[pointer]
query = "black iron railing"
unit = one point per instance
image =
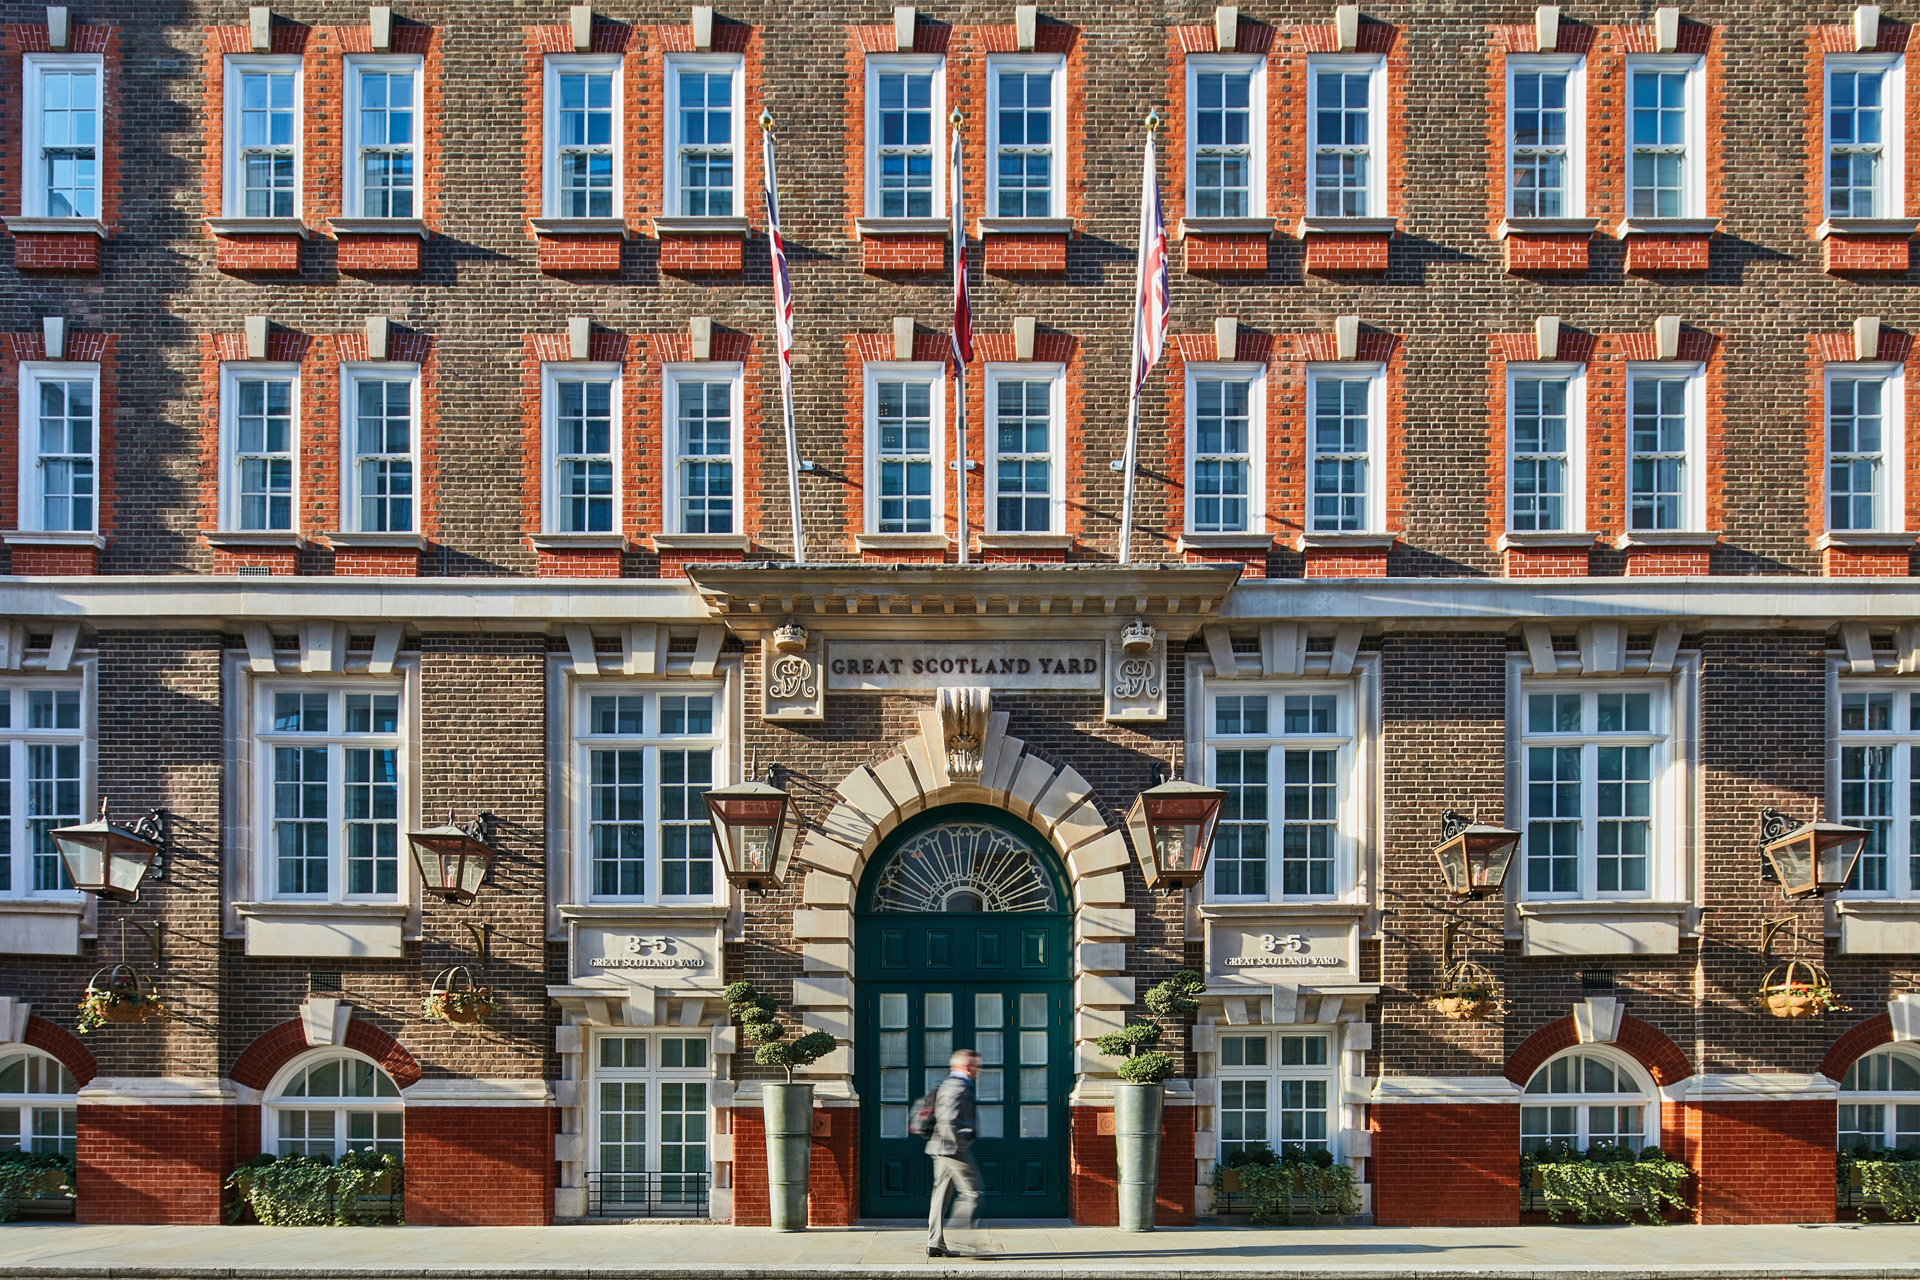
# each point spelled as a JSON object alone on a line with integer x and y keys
{"x": 647, "y": 1195}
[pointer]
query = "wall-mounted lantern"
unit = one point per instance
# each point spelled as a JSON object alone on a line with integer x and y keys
{"x": 111, "y": 861}
{"x": 1172, "y": 826}
{"x": 755, "y": 830}
{"x": 1809, "y": 859}
{"x": 1474, "y": 856}
{"x": 454, "y": 860}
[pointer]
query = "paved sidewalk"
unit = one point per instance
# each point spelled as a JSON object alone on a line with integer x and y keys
{"x": 1042, "y": 1251}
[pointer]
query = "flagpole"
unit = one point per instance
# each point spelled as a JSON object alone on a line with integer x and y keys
{"x": 1128, "y": 466}
{"x": 962, "y": 330}
{"x": 783, "y": 328}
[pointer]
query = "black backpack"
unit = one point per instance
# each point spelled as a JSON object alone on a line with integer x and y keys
{"x": 921, "y": 1124}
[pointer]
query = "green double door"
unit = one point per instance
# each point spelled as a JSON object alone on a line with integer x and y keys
{"x": 997, "y": 984}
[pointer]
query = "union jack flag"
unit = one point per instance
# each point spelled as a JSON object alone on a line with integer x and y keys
{"x": 962, "y": 301}
{"x": 782, "y": 286}
{"x": 1153, "y": 297}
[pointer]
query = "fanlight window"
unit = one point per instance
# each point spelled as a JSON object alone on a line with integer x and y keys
{"x": 37, "y": 1104}
{"x": 1880, "y": 1102}
{"x": 337, "y": 1104}
{"x": 1581, "y": 1099}
{"x": 965, "y": 866}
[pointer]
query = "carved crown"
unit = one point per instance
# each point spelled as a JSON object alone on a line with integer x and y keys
{"x": 791, "y": 638}
{"x": 1137, "y": 636}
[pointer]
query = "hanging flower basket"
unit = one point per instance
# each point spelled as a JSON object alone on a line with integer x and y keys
{"x": 117, "y": 994}
{"x": 454, "y": 998}
{"x": 1467, "y": 994}
{"x": 1798, "y": 990}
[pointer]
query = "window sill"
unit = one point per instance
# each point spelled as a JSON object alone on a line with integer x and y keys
{"x": 1244, "y": 910}
{"x": 1546, "y": 227}
{"x": 1346, "y": 227}
{"x": 33, "y": 538}
{"x": 258, "y": 227}
{"x": 1667, "y": 227}
{"x": 902, "y": 226}
{"x": 1026, "y": 541}
{"x": 1529, "y": 540}
{"x": 45, "y": 927}
{"x": 631, "y": 912}
{"x": 1225, "y": 227}
{"x": 1023, "y": 226}
{"x": 312, "y": 929}
{"x": 1610, "y": 927}
{"x": 901, "y": 541}
{"x": 700, "y": 541}
{"x": 1225, "y": 542}
{"x": 580, "y": 542}
{"x": 1345, "y": 541}
{"x": 413, "y": 540}
{"x": 580, "y": 227}
{"x": 378, "y": 227}
{"x": 665, "y": 226}
{"x": 247, "y": 539}
{"x": 1836, "y": 227}
{"x": 1637, "y": 538}
{"x": 1865, "y": 538}
{"x": 57, "y": 226}
{"x": 1878, "y": 926}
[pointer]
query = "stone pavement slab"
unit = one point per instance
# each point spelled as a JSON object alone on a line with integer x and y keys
{"x": 1030, "y": 1251}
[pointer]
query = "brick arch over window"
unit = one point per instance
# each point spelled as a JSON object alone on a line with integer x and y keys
{"x": 51, "y": 1037}
{"x": 273, "y": 1049}
{"x": 1641, "y": 1041}
{"x": 1855, "y": 1043}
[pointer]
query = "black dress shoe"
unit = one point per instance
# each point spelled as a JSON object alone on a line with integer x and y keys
{"x": 941, "y": 1253}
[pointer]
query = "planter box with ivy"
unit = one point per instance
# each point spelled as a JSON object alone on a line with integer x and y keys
{"x": 312, "y": 1191}
{"x": 1276, "y": 1187}
{"x": 1604, "y": 1183}
{"x": 35, "y": 1183}
{"x": 1874, "y": 1178}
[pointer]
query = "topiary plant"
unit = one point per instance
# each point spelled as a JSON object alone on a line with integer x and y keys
{"x": 1134, "y": 1044}
{"x": 760, "y": 1023}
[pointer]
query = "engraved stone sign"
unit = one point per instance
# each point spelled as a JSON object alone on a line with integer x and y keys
{"x": 890, "y": 665}
{"x": 1265, "y": 950}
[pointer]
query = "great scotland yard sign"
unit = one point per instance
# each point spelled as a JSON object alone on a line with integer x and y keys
{"x": 932, "y": 664}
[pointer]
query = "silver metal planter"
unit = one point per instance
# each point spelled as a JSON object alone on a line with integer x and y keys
{"x": 788, "y": 1109}
{"x": 1136, "y": 1139}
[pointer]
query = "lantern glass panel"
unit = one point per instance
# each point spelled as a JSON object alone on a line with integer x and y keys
{"x": 128, "y": 864}
{"x": 85, "y": 859}
{"x": 1792, "y": 860}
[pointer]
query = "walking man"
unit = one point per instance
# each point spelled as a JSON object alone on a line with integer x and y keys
{"x": 953, "y": 1166}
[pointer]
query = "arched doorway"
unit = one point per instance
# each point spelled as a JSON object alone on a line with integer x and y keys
{"x": 962, "y": 941}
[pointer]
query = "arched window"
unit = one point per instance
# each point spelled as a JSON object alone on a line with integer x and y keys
{"x": 37, "y": 1103}
{"x": 966, "y": 867}
{"x": 1581, "y": 1098}
{"x": 329, "y": 1104}
{"x": 1880, "y": 1101}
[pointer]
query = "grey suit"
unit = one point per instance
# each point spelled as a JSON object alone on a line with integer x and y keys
{"x": 953, "y": 1166}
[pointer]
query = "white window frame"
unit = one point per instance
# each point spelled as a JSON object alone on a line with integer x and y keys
{"x": 1376, "y": 454}
{"x": 1888, "y": 1099}
{"x": 1377, "y": 157}
{"x": 353, "y": 519}
{"x": 1255, "y": 65}
{"x": 1057, "y": 144}
{"x": 581, "y": 745}
{"x": 359, "y": 65}
{"x": 272, "y": 1104}
{"x": 1574, "y": 66}
{"x": 34, "y": 188}
{"x": 1891, "y": 197}
{"x": 1664, "y": 843}
{"x": 1056, "y": 376}
{"x": 15, "y": 741}
{"x": 1904, "y": 769}
{"x": 552, "y": 374}
{"x": 1275, "y": 1075}
{"x": 234, "y": 166}
{"x": 336, "y": 741}
{"x": 1255, "y": 375}
{"x": 32, "y": 512}
{"x": 1646, "y": 1095}
{"x": 879, "y": 64}
{"x": 232, "y": 374}
{"x": 1694, "y": 166}
{"x": 1351, "y": 839}
{"x": 672, "y": 375}
{"x": 1693, "y": 516}
{"x": 653, "y": 1075}
{"x": 879, "y": 371}
{"x": 1892, "y": 516}
{"x": 1576, "y": 494}
{"x": 575, "y": 63}
{"x": 708, "y": 62}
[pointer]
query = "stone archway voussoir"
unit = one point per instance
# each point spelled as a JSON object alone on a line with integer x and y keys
{"x": 1028, "y": 785}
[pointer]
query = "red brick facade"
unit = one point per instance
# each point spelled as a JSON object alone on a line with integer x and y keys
{"x": 472, "y": 1165}
{"x": 1446, "y": 1165}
